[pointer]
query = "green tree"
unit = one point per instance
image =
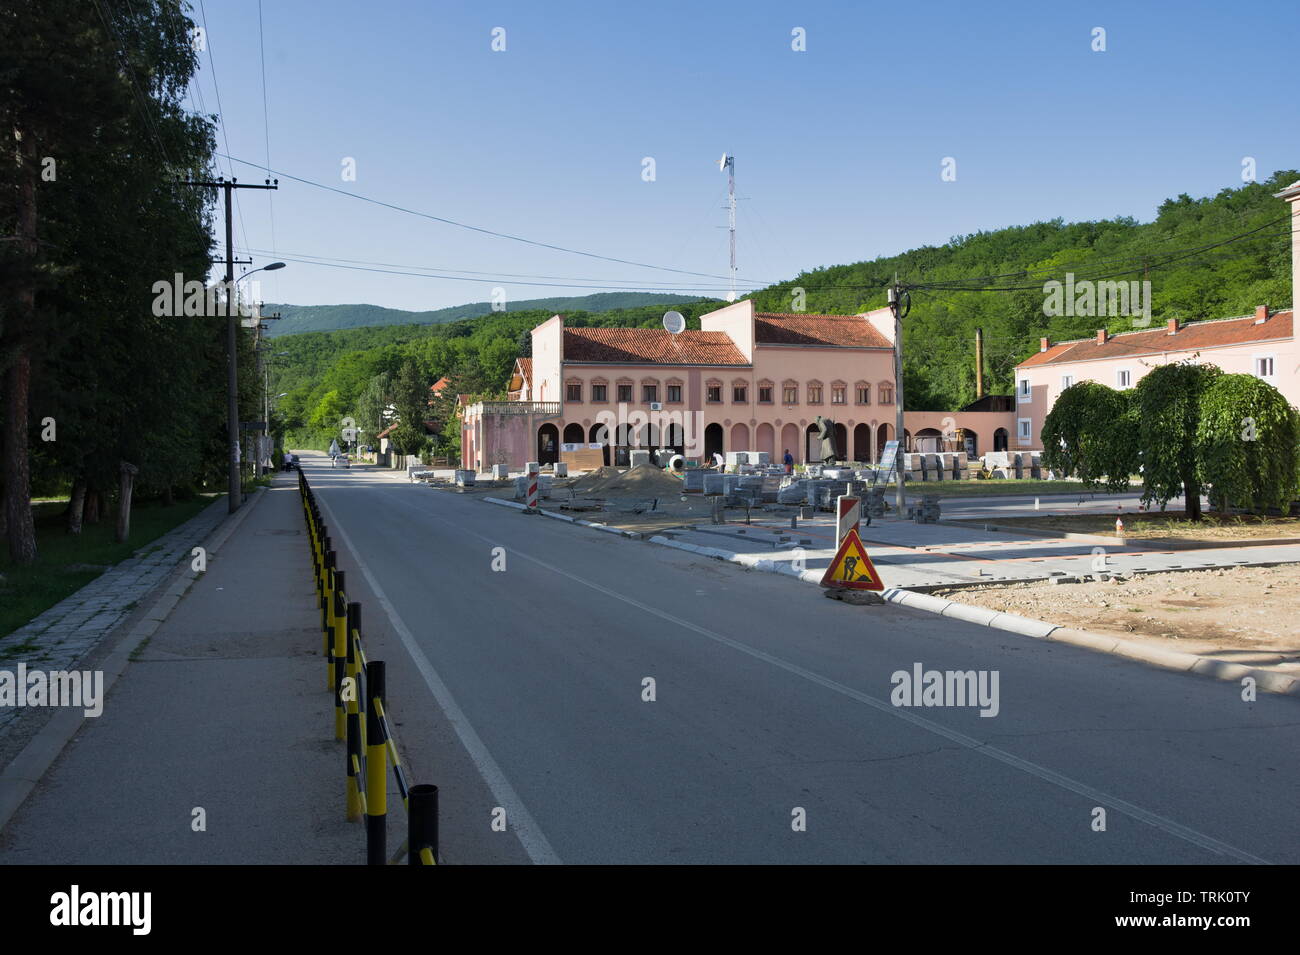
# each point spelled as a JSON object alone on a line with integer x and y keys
{"x": 1090, "y": 433}
{"x": 94, "y": 105}
{"x": 372, "y": 404}
{"x": 1248, "y": 444}
{"x": 328, "y": 413}
{"x": 1167, "y": 406}
{"x": 410, "y": 395}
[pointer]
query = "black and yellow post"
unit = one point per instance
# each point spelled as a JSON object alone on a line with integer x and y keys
{"x": 354, "y": 752}
{"x": 422, "y": 826}
{"x": 340, "y": 655}
{"x": 376, "y": 764}
{"x": 328, "y": 619}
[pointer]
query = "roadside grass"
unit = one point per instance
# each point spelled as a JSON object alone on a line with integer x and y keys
{"x": 65, "y": 564}
{"x": 1172, "y": 524}
{"x": 994, "y": 486}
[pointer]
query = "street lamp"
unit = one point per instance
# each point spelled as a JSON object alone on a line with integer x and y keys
{"x": 232, "y": 383}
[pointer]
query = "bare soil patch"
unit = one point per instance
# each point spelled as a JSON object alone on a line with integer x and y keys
{"x": 1175, "y": 525}
{"x": 1248, "y": 615}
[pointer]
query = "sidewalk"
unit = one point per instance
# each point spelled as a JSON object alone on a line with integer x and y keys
{"x": 223, "y": 708}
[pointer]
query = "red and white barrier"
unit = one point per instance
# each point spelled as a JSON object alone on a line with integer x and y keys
{"x": 532, "y": 487}
{"x": 848, "y": 514}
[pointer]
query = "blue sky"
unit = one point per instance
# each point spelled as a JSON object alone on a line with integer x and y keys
{"x": 838, "y": 147}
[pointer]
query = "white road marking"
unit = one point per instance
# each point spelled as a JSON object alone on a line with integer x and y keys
{"x": 521, "y": 821}
{"x": 992, "y": 752}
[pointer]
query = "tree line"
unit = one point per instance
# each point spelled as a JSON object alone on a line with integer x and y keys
{"x": 95, "y": 384}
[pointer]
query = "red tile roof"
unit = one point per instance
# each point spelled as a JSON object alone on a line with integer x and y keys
{"x": 1195, "y": 336}
{"x": 844, "y": 331}
{"x": 650, "y": 345}
{"x": 440, "y": 384}
{"x": 526, "y": 366}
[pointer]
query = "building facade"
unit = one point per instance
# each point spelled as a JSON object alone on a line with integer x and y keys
{"x": 745, "y": 381}
{"x": 1262, "y": 344}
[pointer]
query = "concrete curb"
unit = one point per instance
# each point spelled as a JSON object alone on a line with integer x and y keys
{"x": 630, "y": 535}
{"x": 20, "y": 777}
{"x": 1177, "y": 660}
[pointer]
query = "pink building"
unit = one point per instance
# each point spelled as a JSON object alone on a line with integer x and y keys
{"x": 746, "y": 381}
{"x": 1262, "y": 344}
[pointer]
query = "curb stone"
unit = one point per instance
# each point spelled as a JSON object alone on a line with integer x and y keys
{"x": 1177, "y": 660}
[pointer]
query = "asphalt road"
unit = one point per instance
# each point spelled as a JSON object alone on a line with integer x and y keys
{"x": 522, "y": 690}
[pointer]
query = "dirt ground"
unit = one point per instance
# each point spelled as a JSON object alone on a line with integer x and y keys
{"x": 1166, "y": 524}
{"x": 1248, "y": 615}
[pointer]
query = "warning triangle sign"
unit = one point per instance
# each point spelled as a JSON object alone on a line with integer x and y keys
{"x": 852, "y": 568}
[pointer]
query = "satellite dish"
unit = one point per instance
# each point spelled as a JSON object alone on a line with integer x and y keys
{"x": 674, "y": 322}
{"x": 722, "y": 163}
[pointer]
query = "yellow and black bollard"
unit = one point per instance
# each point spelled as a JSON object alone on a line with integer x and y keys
{"x": 422, "y": 826}
{"x": 327, "y": 618}
{"x": 340, "y": 655}
{"x": 354, "y": 752}
{"x": 376, "y": 764}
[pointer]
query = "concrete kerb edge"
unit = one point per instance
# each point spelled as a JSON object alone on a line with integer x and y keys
{"x": 1037, "y": 629}
{"x": 19, "y": 778}
{"x": 631, "y": 535}
{"x": 1177, "y": 660}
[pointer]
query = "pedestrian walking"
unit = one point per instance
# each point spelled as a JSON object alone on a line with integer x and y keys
{"x": 789, "y": 462}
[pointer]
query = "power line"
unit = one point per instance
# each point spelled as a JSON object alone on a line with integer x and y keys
{"x": 266, "y": 119}
{"x": 221, "y": 114}
{"x": 473, "y": 228}
{"x": 140, "y": 98}
{"x": 493, "y": 274}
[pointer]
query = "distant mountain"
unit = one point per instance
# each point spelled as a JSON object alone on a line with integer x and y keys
{"x": 328, "y": 318}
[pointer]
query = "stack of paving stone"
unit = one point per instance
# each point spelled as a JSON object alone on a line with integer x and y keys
{"x": 874, "y": 501}
{"x": 793, "y": 492}
{"x": 693, "y": 480}
{"x": 719, "y": 483}
{"x": 465, "y": 478}
{"x": 543, "y": 486}
{"x": 926, "y": 511}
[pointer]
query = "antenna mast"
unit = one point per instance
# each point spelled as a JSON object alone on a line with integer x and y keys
{"x": 729, "y": 164}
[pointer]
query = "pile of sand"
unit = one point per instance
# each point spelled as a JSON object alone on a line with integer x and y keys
{"x": 642, "y": 481}
{"x": 593, "y": 479}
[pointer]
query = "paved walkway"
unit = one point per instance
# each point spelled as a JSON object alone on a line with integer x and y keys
{"x": 76, "y": 625}
{"x": 911, "y": 555}
{"x": 223, "y": 708}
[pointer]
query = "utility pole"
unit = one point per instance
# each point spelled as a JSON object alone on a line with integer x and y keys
{"x": 979, "y": 363}
{"x": 900, "y": 303}
{"x": 265, "y": 432}
{"x": 235, "y": 486}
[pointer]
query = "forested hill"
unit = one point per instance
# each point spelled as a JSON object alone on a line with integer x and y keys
{"x": 326, "y": 374}
{"x": 296, "y": 319}
{"x": 939, "y": 333}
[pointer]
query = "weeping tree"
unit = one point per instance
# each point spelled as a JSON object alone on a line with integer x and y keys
{"x": 1248, "y": 444}
{"x": 1090, "y": 434}
{"x": 1167, "y": 405}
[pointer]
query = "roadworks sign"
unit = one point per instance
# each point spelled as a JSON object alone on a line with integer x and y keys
{"x": 852, "y": 568}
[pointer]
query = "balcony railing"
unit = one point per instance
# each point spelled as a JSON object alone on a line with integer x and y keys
{"x": 516, "y": 407}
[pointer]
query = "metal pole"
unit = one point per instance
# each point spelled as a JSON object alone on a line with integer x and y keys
{"x": 233, "y": 488}
{"x": 895, "y": 306}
